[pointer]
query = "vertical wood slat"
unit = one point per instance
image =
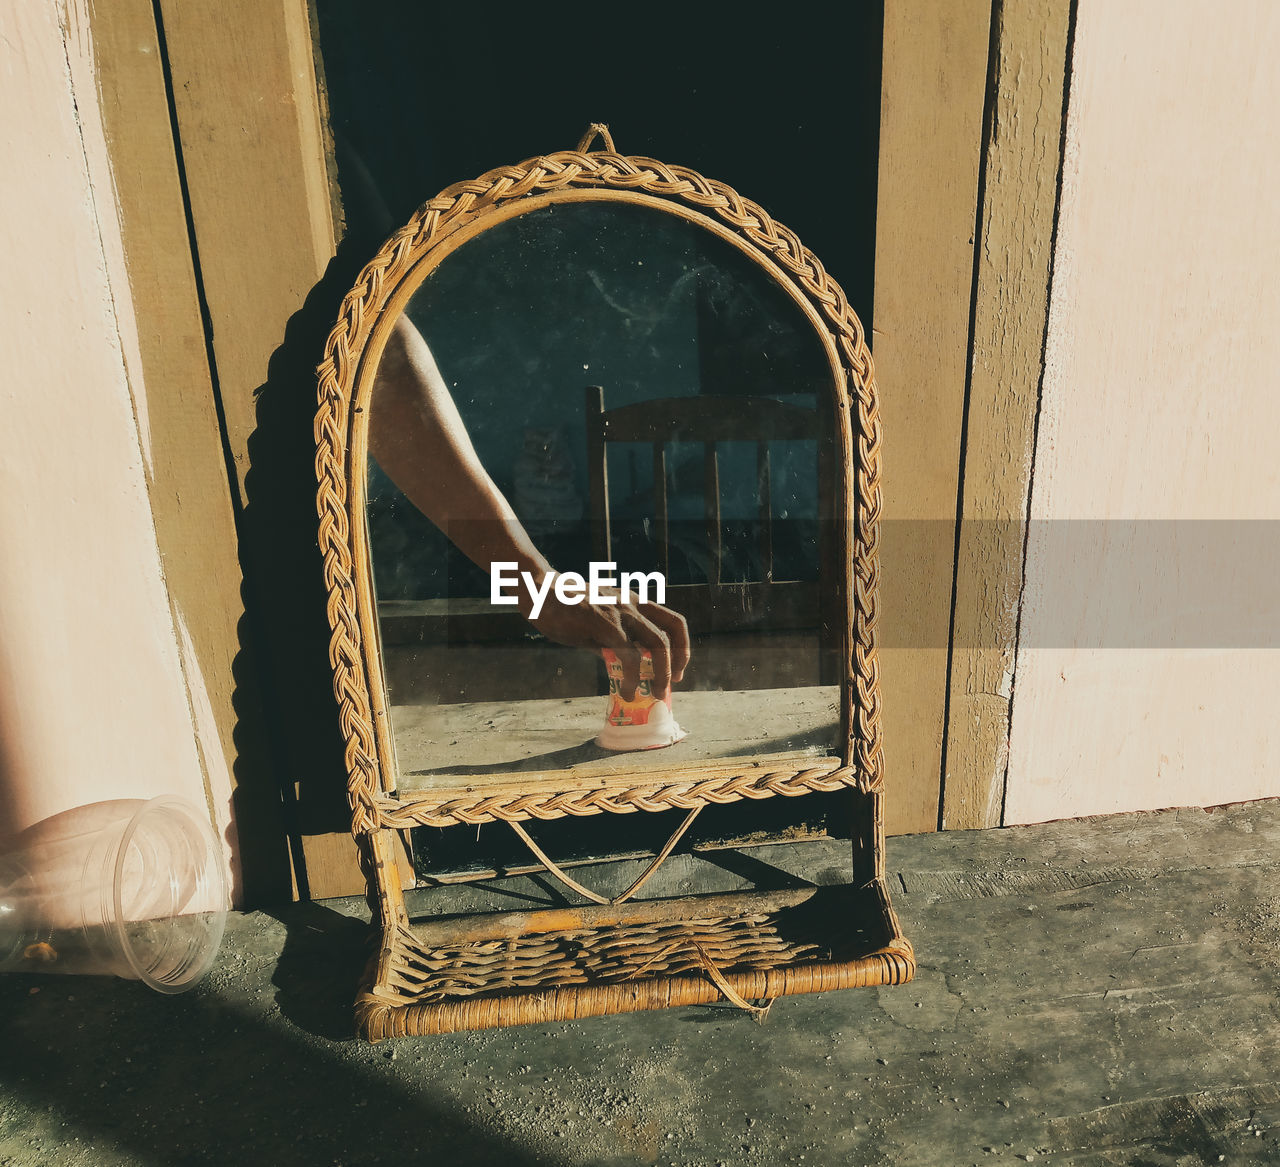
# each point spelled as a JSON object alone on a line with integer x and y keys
{"x": 711, "y": 508}
{"x": 597, "y": 474}
{"x": 252, "y": 140}
{"x": 1013, "y": 270}
{"x": 662, "y": 531}
{"x": 246, "y": 97}
{"x": 764, "y": 494}
{"x": 933, "y": 89}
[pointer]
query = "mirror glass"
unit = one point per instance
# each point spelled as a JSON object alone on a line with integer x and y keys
{"x": 720, "y": 479}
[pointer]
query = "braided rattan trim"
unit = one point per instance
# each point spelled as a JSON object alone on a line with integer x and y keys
{"x": 658, "y": 796}
{"x": 361, "y": 307}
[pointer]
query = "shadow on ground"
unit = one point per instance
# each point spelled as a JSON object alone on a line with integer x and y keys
{"x": 212, "y": 1076}
{"x": 319, "y": 968}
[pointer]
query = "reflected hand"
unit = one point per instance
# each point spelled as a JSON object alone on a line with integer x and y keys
{"x": 626, "y": 629}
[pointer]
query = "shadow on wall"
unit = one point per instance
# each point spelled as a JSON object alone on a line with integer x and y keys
{"x": 287, "y": 719}
{"x": 204, "y": 1078}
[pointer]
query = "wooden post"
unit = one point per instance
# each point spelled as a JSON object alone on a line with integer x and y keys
{"x": 1012, "y": 268}
{"x": 252, "y": 136}
{"x": 933, "y": 89}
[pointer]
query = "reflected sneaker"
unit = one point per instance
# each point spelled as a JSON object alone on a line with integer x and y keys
{"x": 637, "y": 725}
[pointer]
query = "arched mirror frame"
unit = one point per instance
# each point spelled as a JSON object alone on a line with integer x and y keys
{"x": 346, "y": 377}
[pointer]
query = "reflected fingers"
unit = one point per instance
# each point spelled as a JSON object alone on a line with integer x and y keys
{"x": 676, "y": 628}
{"x": 649, "y": 635}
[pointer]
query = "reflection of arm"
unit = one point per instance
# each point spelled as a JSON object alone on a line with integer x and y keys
{"x": 417, "y": 436}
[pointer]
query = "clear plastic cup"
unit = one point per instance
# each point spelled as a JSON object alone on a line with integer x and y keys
{"x": 133, "y": 888}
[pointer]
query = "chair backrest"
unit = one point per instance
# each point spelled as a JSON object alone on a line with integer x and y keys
{"x": 707, "y": 420}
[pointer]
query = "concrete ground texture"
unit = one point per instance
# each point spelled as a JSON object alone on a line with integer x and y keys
{"x": 1102, "y": 991}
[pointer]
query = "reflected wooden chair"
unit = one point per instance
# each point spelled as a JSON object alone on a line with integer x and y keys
{"x": 775, "y": 601}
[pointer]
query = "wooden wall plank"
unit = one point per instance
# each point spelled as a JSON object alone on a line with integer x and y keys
{"x": 934, "y": 84}
{"x": 252, "y": 140}
{"x": 245, "y": 91}
{"x": 1022, "y": 166}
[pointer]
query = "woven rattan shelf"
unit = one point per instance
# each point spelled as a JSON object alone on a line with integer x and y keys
{"x": 506, "y": 969}
{"x": 518, "y": 968}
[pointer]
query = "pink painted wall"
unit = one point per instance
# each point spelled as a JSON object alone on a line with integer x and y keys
{"x": 1160, "y": 403}
{"x": 93, "y": 702}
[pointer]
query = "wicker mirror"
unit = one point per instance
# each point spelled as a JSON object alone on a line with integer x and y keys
{"x": 663, "y": 382}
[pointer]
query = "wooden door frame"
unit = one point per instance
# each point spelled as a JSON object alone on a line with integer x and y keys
{"x": 971, "y": 152}
{"x": 248, "y": 115}
{"x": 957, "y": 338}
{"x": 933, "y": 90}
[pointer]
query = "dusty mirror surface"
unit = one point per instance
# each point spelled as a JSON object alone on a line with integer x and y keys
{"x": 716, "y": 472}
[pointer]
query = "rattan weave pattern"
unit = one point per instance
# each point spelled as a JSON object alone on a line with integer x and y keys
{"x": 655, "y": 796}
{"x": 601, "y": 956}
{"x": 363, "y": 304}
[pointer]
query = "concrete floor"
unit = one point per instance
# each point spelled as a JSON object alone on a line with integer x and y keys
{"x": 1091, "y": 992}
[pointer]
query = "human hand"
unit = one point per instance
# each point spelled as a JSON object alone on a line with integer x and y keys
{"x": 625, "y": 628}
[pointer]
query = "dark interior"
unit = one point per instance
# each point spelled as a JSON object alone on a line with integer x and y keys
{"x": 421, "y": 97}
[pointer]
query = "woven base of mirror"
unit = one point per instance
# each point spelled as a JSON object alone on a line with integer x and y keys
{"x": 746, "y": 949}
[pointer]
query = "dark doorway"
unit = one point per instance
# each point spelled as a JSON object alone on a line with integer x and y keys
{"x": 785, "y": 110}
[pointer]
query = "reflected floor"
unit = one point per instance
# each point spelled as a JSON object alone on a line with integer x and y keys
{"x": 437, "y": 744}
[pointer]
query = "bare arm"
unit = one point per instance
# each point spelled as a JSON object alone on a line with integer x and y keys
{"x": 417, "y": 436}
